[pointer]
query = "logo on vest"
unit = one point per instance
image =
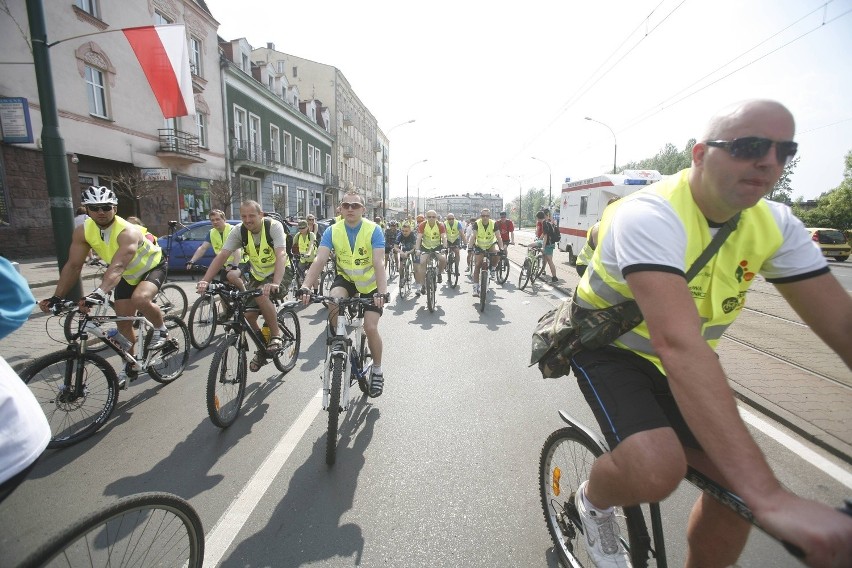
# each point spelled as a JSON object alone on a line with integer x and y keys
{"x": 362, "y": 251}
{"x": 361, "y": 262}
{"x": 267, "y": 250}
{"x": 730, "y": 304}
{"x": 742, "y": 272}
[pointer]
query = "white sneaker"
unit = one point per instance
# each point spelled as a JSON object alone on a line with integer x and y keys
{"x": 122, "y": 380}
{"x": 602, "y": 535}
{"x": 476, "y": 291}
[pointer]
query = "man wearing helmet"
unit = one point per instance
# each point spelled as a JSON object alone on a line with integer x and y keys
{"x": 136, "y": 266}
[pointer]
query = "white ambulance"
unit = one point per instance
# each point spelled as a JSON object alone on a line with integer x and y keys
{"x": 583, "y": 202}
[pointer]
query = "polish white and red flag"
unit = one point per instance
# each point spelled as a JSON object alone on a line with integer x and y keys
{"x": 164, "y": 56}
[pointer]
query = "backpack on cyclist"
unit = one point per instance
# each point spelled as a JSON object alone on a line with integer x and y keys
{"x": 550, "y": 230}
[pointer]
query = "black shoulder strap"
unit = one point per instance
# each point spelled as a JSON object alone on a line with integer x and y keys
{"x": 713, "y": 247}
{"x": 266, "y": 224}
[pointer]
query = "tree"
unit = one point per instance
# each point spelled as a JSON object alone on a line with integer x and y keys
{"x": 130, "y": 183}
{"x": 224, "y": 193}
{"x": 834, "y": 208}
{"x": 669, "y": 160}
{"x": 782, "y": 190}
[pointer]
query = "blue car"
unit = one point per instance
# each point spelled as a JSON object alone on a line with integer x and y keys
{"x": 186, "y": 241}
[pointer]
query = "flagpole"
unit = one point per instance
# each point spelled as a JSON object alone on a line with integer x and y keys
{"x": 106, "y": 32}
{"x": 53, "y": 147}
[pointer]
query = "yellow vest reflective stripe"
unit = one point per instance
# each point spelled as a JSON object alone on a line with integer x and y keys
{"x": 485, "y": 235}
{"x": 148, "y": 255}
{"x": 356, "y": 265}
{"x": 431, "y": 236}
{"x": 586, "y": 253}
{"x": 261, "y": 258}
{"x": 453, "y": 231}
{"x": 217, "y": 239}
{"x": 305, "y": 245}
{"x": 720, "y": 287}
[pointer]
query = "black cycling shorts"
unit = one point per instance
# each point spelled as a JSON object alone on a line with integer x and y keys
{"x": 341, "y": 282}
{"x": 157, "y": 275}
{"x": 628, "y": 395}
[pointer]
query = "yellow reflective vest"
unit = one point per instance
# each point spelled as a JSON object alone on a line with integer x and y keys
{"x": 431, "y": 236}
{"x": 148, "y": 255}
{"x": 262, "y": 257}
{"x": 453, "y": 230}
{"x": 719, "y": 289}
{"x": 217, "y": 239}
{"x": 355, "y": 263}
{"x": 485, "y": 234}
{"x": 305, "y": 245}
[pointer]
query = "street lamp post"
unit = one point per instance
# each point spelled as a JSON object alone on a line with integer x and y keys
{"x": 385, "y": 173}
{"x": 550, "y": 181}
{"x": 406, "y": 180}
{"x": 520, "y": 200}
{"x": 615, "y": 142}
{"x": 417, "y": 209}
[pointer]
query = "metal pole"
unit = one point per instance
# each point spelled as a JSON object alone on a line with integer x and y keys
{"x": 53, "y": 147}
{"x": 385, "y": 172}
{"x": 406, "y": 181}
{"x": 549, "y": 183}
{"x": 615, "y": 143}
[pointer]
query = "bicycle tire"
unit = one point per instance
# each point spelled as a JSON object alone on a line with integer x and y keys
{"x": 566, "y": 460}
{"x": 524, "y": 276}
{"x": 169, "y": 364}
{"x": 391, "y": 267}
{"x": 541, "y": 266}
{"x": 172, "y": 300}
{"x": 430, "y": 290}
{"x": 502, "y": 270}
{"x": 71, "y": 419}
{"x": 226, "y": 382}
{"x": 288, "y": 324}
{"x": 144, "y": 530}
{"x": 337, "y": 366}
{"x": 483, "y": 287}
{"x": 326, "y": 281}
{"x": 366, "y": 362}
{"x": 452, "y": 270}
{"x": 69, "y": 325}
{"x": 203, "y": 321}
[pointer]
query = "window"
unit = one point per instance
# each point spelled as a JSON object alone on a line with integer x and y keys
{"x": 298, "y": 157}
{"x": 318, "y": 161}
{"x": 328, "y": 163}
{"x": 310, "y": 159}
{"x": 295, "y": 71}
{"x": 249, "y": 189}
{"x": 96, "y": 91}
{"x": 271, "y": 82}
{"x": 274, "y": 144}
{"x": 90, "y": 7}
{"x": 240, "y": 126}
{"x": 246, "y": 66}
{"x": 288, "y": 150}
{"x": 161, "y": 19}
{"x": 301, "y": 201}
{"x": 201, "y": 127}
{"x": 584, "y": 204}
{"x": 254, "y": 136}
{"x": 279, "y": 198}
{"x": 195, "y": 51}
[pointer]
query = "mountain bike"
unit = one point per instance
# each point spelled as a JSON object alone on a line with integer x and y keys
{"x": 143, "y": 530}
{"x": 533, "y": 265}
{"x": 502, "y": 268}
{"x": 170, "y": 297}
{"x": 452, "y": 267}
{"x": 78, "y": 389}
{"x": 393, "y": 265}
{"x": 207, "y": 312}
{"x": 329, "y": 273}
{"x": 226, "y": 381}
{"x": 347, "y": 361}
{"x": 566, "y": 460}
{"x": 485, "y": 276}
{"x": 107, "y": 308}
{"x": 406, "y": 274}
{"x": 431, "y": 283}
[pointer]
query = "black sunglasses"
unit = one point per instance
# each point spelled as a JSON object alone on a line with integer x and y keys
{"x": 753, "y": 148}
{"x": 348, "y": 205}
{"x": 99, "y": 207}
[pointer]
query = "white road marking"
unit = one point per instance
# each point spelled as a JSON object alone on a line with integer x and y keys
{"x": 229, "y": 525}
{"x": 807, "y": 454}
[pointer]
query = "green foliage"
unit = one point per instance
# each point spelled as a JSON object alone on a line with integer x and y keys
{"x": 668, "y": 161}
{"x": 533, "y": 201}
{"x": 834, "y": 208}
{"x": 782, "y": 190}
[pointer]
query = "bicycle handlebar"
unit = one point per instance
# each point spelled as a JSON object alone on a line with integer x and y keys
{"x": 317, "y": 298}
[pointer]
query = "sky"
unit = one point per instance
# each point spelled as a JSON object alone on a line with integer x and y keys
{"x": 490, "y": 85}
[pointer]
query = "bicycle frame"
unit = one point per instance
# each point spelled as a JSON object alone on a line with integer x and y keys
{"x": 89, "y": 324}
{"x": 239, "y": 323}
{"x": 342, "y": 344}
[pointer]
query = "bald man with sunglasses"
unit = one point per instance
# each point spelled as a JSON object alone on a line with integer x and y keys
{"x": 659, "y": 392}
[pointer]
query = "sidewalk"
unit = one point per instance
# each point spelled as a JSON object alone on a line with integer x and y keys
{"x": 814, "y": 408}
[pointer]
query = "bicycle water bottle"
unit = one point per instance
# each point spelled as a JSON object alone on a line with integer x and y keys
{"x": 119, "y": 339}
{"x": 266, "y": 332}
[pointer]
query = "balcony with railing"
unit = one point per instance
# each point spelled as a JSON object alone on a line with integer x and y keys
{"x": 348, "y": 152}
{"x": 331, "y": 181}
{"x": 249, "y": 155}
{"x": 179, "y": 144}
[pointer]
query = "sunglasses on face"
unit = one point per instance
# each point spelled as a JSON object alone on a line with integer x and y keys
{"x": 99, "y": 207}
{"x": 348, "y": 205}
{"x": 431, "y": 217}
{"x": 754, "y": 148}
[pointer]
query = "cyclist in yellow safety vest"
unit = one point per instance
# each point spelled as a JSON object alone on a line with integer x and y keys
{"x": 216, "y": 238}
{"x": 431, "y": 237}
{"x": 136, "y": 268}
{"x": 304, "y": 247}
{"x": 483, "y": 239}
{"x": 359, "y": 246}
{"x": 455, "y": 237}
{"x": 659, "y": 392}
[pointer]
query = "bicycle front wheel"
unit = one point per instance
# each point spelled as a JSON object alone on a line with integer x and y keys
{"x": 366, "y": 363}
{"x": 524, "y": 276}
{"x": 288, "y": 325}
{"x": 566, "y": 460}
{"x": 73, "y": 414}
{"x": 172, "y": 300}
{"x": 483, "y": 287}
{"x": 502, "y": 270}
{"x": 430, "y": 290}
{"x": 326, "y": 281}
{"x": 226, "y": 382}
{"x": 202, "y": 321}
{"x": 452, "y": 271}
{"x": 169, "y": 362}
{"x": 148, "y": 529}
{"x": 334, "y": 409}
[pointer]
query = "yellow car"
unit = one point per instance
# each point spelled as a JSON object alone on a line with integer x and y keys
{"x": 831, "y": 242}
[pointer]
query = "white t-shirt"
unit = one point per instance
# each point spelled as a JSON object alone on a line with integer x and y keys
{"x": 24, "y": 431}
{"x": 647, "y": 232}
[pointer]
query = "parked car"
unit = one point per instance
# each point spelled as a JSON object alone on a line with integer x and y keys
{"x": 186, "y": 241}
{"x": 832, "y": 242}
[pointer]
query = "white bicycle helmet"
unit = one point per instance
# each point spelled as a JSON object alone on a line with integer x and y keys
{"x": 97, "y": 195}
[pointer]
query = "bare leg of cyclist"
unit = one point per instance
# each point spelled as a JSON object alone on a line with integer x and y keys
{"x": 143, "y": 300}
{"x": 235, "y": 279}
{"x": 374, "y": 340}
{"x": 548, "y": 258}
